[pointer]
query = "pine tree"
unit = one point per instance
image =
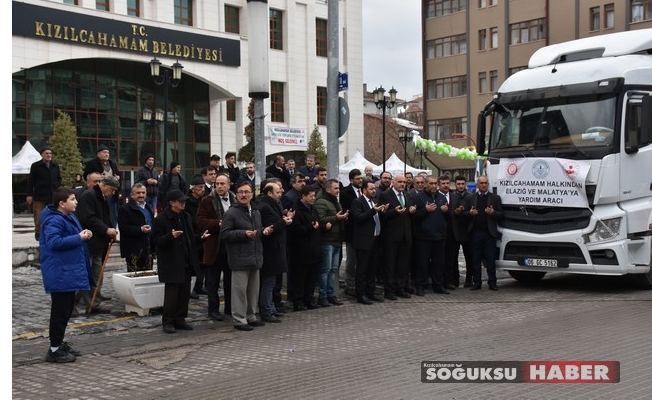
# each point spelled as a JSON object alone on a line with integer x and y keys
{"x": 316, "y": 147}
{"x": 65, "y": 149}
{"x": 247, "y": 152}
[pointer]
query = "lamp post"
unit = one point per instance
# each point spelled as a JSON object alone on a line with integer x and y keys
{"x": 383, "y": 104}
{"x": 167, "y": 81}
{"x": 405, "y": 136}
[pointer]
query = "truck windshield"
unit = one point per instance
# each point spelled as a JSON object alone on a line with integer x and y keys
{"x": 555, "y": 126}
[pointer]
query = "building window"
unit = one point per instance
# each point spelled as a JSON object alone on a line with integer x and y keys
{"x": 444, "y": 128}
{"x": 447, "y": 87}
{"x": 277, "y": 101}
{"x": 231, "y": 19}
{"x": 230, "y": 110}
{"x": 482, "y": 39}
{"x": 493, "y": 81}
{"x": 641, "y": 10}
{"x": 494, "y": 38}
{"x": 133, "y": 8}
{"x": 528, "y": 31}
{"x": 482, "y": 3}
{"x": 482, "y": 82}
{"x": 447, "y": 46}
{"x": 437, "y": 8}
{"x": 275, "y": 29}
{"x": 183, "y": 12}
{"x": 321, "y": 105}
{"x": 321, "y": 30}
{"x": 594, "y": 18}
{"x": 514, "y": 70}
{"x": 102, "y": 5}
{"x": 73, "y": 2}
{"x": 609, "y": 16}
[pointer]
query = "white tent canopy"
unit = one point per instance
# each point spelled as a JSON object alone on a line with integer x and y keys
{"x": 23, "y": 160}
{"x": 357, "y": 161}
{"x": 394, "y": 165}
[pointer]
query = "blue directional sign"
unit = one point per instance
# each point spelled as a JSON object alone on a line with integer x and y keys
{"x": 343, "y": 81}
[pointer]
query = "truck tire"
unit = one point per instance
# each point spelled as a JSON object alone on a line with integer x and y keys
{"x": 527, "y": 276}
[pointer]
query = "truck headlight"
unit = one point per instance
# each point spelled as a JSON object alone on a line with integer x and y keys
{"x": 604, "y": 230}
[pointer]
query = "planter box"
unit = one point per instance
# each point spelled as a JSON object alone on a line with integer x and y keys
{"x": 140, "y": 293}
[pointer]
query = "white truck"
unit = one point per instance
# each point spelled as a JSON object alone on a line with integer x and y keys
{"x": 569, "y": 146}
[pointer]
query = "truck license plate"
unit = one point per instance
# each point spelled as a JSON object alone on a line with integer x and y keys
{"x": 540, "y": 262}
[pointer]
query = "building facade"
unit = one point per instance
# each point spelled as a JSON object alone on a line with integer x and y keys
{"x": 91, "y": 59}
{"x": 472, "y": 46}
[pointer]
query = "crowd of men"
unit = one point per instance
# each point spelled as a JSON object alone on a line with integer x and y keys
{"x": 401, "y": 233}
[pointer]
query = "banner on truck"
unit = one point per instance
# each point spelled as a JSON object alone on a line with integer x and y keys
{"x": 543, "y": 182}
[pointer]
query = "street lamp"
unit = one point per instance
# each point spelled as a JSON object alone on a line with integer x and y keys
{"x": 383, "y": 104}
{"x": 405, "y": 136}
{"x": 167, "y": 81}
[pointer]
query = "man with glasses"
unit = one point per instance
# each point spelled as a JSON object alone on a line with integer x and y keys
{"x": 384, "y": 183}
{"x": 242, "y": 232}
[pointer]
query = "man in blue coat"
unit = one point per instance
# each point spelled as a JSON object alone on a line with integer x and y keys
{"x": 65, "y": 267}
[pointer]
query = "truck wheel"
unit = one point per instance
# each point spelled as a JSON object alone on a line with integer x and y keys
{"x": 527, "y": 276}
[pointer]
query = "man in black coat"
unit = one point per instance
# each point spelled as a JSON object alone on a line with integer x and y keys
{"x": 485, "y": 209}
{"x": 274, "y": 248}
{"x": 135, "y": 219}
{"x": 306, "y": 251}
{"x": 458, "y": 199}
{"x": 148, "y": 176}
{"x": 365, "y": 214}
{"x": 106, "y": 167}
{"x": 176, "y": 241}
{"x": 44, "y": 177}
{"x": 94, "y": 214}
{"x": 349, "y": 193}
{"x": 277, "y": 170}
{"x": 397, "y": 237}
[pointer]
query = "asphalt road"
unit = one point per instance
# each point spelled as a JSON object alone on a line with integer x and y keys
{"x": 354, "y": 351}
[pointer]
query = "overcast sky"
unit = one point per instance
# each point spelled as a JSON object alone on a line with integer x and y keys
{"x": 392, "y": 46}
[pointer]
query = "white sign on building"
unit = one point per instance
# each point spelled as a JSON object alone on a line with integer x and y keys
{"x": 283, "y": 135}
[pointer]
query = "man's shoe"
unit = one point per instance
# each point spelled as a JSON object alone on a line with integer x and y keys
{"x": 245, "y": 327}
{"x": 66, "y": 346}
{"x": 74, "y": 313}
{"x": 376, "y": 299}
{"x": 364, "y": 300}
{"x": 475, "y": 287}
{"x": 271, "y": 318}
{"x": 194, "y": 295}
{"x": 278, "y": 314}
{"x": 312, "y": 306}
{"x": 256, "y": 323}
{"x": 215, "y": 316}
{"x": 323, "y": 302}
{"x": 169, "y": 328}
{"x": 390, "y": 296}
{"x": 420, "y": 292}
{"x": 59, "y": 356}
{"x": 493, "y": 287}
{"x": 183, "y": 327}
{"x": 450, "y": 286}
{"x": 335, "y": 301}
{"x": 440, "y": 290}
{"x": 404, "y": 295}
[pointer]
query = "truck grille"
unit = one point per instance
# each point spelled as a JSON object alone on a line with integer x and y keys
{"x": 537, "y": 219}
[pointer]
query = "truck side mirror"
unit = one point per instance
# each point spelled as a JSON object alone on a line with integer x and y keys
{"x": 482, "y": 131}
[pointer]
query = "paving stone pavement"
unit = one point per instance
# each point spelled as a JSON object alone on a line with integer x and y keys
{"x": 347, "y": 352}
